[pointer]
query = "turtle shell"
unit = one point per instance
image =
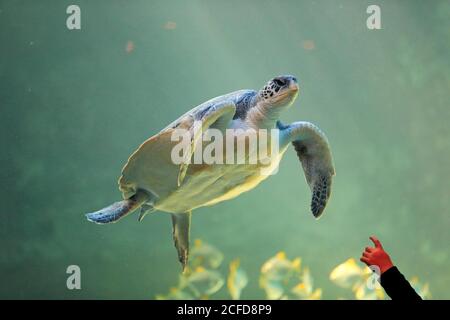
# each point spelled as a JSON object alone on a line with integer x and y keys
{"x": 150, "y": 167}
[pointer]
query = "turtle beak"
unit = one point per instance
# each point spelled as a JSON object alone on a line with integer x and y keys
{"x": 293, "y": 84}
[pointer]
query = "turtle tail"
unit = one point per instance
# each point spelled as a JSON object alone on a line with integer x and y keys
{"x": 118, "y": 210}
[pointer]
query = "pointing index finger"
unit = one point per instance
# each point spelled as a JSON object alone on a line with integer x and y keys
{"x": 376, "y": 242}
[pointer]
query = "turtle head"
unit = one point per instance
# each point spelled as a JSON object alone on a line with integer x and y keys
{"x": 280, "y": 91}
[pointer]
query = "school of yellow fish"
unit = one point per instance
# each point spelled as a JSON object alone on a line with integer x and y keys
{"x": 202, "y": 278}
{"x": 280, "y": 278}
{"x": 284, "y": 279}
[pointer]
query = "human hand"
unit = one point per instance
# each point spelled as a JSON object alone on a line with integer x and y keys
{"x": 376, "y": 256}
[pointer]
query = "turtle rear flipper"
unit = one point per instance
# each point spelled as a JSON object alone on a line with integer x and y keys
{"x": 119, "y": 209}
{"x": 181, "y": 223}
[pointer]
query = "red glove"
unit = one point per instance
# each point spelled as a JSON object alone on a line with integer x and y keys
{"x": 376, "y": 256}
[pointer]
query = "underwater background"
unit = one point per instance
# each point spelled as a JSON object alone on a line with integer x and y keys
{"x": 76, "y": 103}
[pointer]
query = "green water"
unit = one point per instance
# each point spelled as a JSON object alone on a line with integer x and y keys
{"x": 75, "y": 104}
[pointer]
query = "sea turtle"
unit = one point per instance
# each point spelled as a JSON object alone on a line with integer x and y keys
{"x": 151, "y": 180}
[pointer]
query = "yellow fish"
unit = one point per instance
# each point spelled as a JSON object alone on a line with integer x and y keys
{"x": 202, "y": 282}
{"x": 278, "y": 275}
{"x": 360, "y": 279}
{"x": 205, "y": 255}
{"x": 237, "y": 280}
{"x": 280, "y": 267}
{"x": 347, "y": 274}
{"x": 304, "y": 290}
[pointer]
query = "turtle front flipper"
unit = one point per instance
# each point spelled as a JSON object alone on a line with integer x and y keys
{"x": 219, "y": 114}
{"x": 181, "y": 223}
{"x": 314, "y": 152}
{"x": 118, "y": 210}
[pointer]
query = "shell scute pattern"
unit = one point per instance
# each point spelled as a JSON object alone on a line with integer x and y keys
{"x": 243, "y": 105}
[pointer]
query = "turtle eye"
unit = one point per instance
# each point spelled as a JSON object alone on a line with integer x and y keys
{"x": 279, "y": 82}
